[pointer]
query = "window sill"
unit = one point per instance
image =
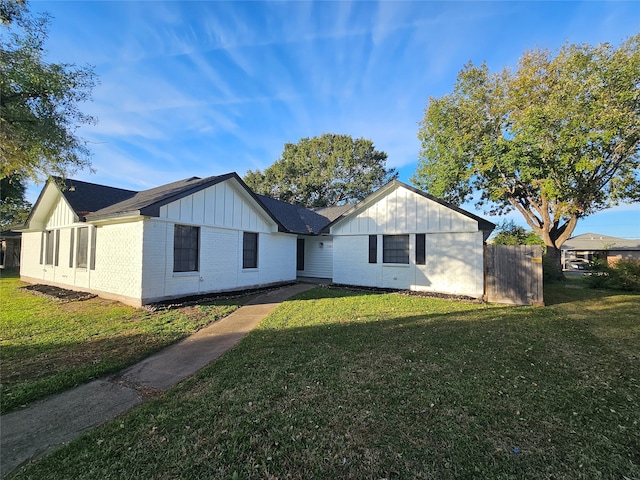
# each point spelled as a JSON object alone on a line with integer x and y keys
{"x": 186, "y": 274}
{"x": 249, "y": 270}
{"x": 400, "y": 265}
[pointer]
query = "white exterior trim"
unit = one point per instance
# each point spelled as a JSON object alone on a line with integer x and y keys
{"x": 134, "y": 253}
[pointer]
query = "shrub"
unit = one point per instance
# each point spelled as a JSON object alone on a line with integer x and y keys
{"x": 628, "y": 275}
{"x": 624, "y": 275}
{"x": 600, "y": 279}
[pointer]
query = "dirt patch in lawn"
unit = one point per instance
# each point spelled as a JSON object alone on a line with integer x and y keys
{"x": 57, "y": 293}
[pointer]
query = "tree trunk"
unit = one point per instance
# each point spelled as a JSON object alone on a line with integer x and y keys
{"x": 553, "y": 263}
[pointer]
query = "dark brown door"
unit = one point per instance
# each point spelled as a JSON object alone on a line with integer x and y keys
{"x": 300, "y": 255}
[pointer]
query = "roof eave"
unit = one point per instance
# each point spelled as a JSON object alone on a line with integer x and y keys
{"x": 280, "y": 225}
{"x": 119, "y": 217}
{"x": 484, "y": 225}
{"x": 51, "y": 183}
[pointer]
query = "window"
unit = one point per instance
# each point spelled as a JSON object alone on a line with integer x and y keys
{"x": 71, "y": 250}
{"x": 51, "y": 250}
{"x": 395, "y": 249}
{"x": 250, "y": 250}
{"x": 185, "y": 248}
{"x": 56, "y": 253}
{"x": 42, "y": 244}
{"x": 83, "y": 247}
{"x": 92, "y": 258}
{"x": 420, "y": 249}
{"x": 373, "y": 249}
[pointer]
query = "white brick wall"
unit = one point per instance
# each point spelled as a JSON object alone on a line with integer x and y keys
{"x": 454, "y": 264}
{"x": 119, "y": 259}
{"x": 30, "y": 255}
{"x": 277, "y": 257}
{"x": 220, "y": 265}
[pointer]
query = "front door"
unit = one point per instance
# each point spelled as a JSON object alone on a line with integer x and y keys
{"x": 300, "y": 255}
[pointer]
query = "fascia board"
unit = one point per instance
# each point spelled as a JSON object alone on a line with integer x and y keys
{"x": 37, "y": 217}
{"x": 363, "y": 205}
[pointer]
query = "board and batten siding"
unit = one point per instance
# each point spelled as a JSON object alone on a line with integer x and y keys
{"x": 222, "y": 205}
{"x": 318, "y": 257}
{"x": 404, "y": 211}
{"x": 454, "y": 246}
{"x": 61, "y": 215}
{"x": 223, "y": 212}
{"x": 59, "y": 218}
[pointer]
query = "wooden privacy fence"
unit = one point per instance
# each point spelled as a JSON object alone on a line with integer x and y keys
{"x": 513, "y": 274}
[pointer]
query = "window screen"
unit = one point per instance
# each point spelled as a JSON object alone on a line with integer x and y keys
{"x": 373, "y": 248}
{"x": 250, "y": 250}
{"x": 50, "y": 243}
{"x": 395, "y": 249}
{"x": 185, "y": 248}
{"x": 83, "y": 247}
{"x": 420, "y": 249}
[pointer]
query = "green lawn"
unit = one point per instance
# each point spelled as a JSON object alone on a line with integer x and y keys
{"x": 338, "y": 384}
{"x": 47, "y": 346}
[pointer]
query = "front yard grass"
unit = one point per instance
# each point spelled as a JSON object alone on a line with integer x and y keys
{"x": 47, "y": 347}
{"x": 339, "y": 384}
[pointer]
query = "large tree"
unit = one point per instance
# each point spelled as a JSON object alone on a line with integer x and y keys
{"x": 323, "y": 171}
{"x": 556, "y": 139}
{"x": 508, "y": 233}
{"x": 14, "y": 208}
{"x": 39, "y": 112}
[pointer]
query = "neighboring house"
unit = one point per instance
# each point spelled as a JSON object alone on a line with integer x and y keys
{"x": 214, "y": 234}
{"x": 9, "y": 249}
{"x": 592, "y": 246}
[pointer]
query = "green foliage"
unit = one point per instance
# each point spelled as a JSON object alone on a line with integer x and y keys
{"x": 323, "y": 171}
{"x": 628, "y": 275}
{"x": 508, "y": 233}
{"x": 39, "y": 111}
{"x": 624, "y": 275}
{"x": 556, "y": 139}
{"x": 14, "y": 209}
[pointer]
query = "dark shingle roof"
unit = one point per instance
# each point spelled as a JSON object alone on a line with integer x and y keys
{"x": 333, "y": 213}
{"x": 148, "y": 202}
{"x": 102, "y": 202}
{"x": 86, "y": 198}
{"x": 295, "y": 218}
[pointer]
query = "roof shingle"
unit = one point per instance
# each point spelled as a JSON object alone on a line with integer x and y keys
{"x": 97, "y": 202}
{"x": 86, "y": 198}
{"x": 148, "y": 202}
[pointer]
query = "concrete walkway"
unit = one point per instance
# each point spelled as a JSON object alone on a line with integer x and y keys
{"x": 46, "y": 425}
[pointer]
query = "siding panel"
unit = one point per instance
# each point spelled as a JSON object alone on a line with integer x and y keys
{"x": 403, "y": 211}
{"x": 318, "y": 260}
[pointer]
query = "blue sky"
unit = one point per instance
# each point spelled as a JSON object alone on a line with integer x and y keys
{"x": 205, "y": 88}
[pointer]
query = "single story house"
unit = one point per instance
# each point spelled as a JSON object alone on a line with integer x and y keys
{"x": 206, "y": 235}
{"x": 592, "y": 246}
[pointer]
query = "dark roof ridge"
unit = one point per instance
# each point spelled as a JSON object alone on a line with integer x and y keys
{"x": 148, "y": 202}
{"x": 88, "y": 197}
{"x": 295, "y": 218}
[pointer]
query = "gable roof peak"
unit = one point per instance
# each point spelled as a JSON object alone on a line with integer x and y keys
{"x": 148, "y": 202}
